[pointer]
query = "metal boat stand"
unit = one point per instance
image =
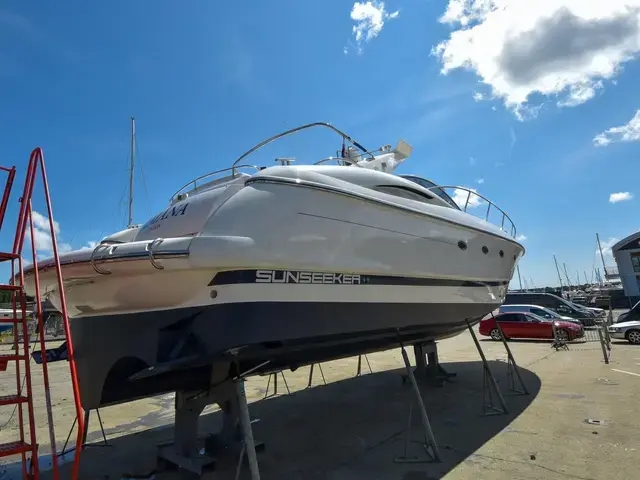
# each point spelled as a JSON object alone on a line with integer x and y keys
{"x": 235, "y": 437}
{"x": 427, "y": 364}
{"x": 513, "y": 371}
{"x": 428, "y": 442}
{"x": 275, "y": 384}
{"x": 558, "y": 344}
{"x": 359, "y": 369}
{"x": 489, "y": 385}
{"x": 104, "y": 443}
{"x": 311, "y": 375}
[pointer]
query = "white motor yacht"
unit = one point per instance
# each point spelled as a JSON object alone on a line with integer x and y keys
{"x": 279, "y": 267}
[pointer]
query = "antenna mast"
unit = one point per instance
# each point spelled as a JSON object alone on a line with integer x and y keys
{"x": 133, "y": 148}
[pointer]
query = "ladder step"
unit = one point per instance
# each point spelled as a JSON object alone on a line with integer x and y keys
{"x": 13, "y": 448}
{"x": 10, "y": 288}
{"x": 11, "y": 320}
{"x": 4, "y": 256}
{"x": 12, "y": 399}
{"x": 7, "y": 358}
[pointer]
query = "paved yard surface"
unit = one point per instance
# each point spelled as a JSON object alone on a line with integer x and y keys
{"x": 353, "y": 427}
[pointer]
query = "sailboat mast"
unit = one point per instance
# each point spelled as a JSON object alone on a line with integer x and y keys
{"x": 601, "y": 255}
{"x": 558, "y": 270}
{"x": 131, "y": 169}
{"x": 567, "y": 275}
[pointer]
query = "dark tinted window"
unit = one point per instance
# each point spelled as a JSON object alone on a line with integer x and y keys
{"x": 541, "y": 299}
{"x": 540, "y": 313}
{"x": 522, "y": 298}
{"x": 438, "y": 191}
{"x": 510, "y": 317}
{"x": 403, "y": 192}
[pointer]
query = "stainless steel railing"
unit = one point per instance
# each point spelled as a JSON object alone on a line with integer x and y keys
{"x": 473, "y": 199}
{"x": 193, "y": 184}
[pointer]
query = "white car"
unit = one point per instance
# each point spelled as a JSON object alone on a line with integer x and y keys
{"x": 629, "y": 331}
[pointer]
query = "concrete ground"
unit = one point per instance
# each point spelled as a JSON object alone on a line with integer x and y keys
{"x": 354, "y": 427}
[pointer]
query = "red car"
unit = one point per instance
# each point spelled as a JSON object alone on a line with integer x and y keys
{"x": 528, "y": 325}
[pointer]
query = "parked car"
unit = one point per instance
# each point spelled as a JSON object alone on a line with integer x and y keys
{"x": 599, "y": 312}
{"x": 528, "y": 325}
{"x": 632, "y": 314}
{"x": 553, "y": 302}
{"x": 629, "y": 331}
{"x": 537, "y": 310}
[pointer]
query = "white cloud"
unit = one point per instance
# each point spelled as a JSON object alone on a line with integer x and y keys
{"x": 42, "y": 236}
{"x": 477, "y": 96}
{"x": 625, "y": 133}
{"x": 480, "y": 181}
{"x": 42, "y": 223}
{"x": 521, "y": 238}
{"x": 606, "y": 246}
{"x": 369, "y": 18}
{"x": 620, "y": 197}
{"x": 89, "y": 246}
{"x": 559, "y": 48}
{"x": 463, "y": 197}
{"x": 472, "y": 161}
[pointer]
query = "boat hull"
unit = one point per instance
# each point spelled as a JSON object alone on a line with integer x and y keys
{"x": 187, "y": 346}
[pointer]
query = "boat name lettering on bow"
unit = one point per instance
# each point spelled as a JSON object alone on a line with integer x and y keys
{"x": 174, "y": 211}
{"x": 279, "y": 276}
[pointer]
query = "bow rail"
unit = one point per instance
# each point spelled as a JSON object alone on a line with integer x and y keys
{"x": 473, "y": 199}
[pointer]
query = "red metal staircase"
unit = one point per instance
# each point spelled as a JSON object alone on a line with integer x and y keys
{"x": 23, "y": 396}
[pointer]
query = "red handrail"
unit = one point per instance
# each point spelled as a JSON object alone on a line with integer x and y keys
{"x": 45, "y": 368}
{"x": 25, "y": 215}
{"x": 7, "y": 191}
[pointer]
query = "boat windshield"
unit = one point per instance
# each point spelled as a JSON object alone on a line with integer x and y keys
{"x": 430, "y": 185}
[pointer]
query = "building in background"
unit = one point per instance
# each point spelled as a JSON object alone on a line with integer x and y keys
{"x": 627, "y": 256}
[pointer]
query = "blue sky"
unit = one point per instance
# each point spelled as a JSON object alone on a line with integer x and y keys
{"x": 207, "y": 80}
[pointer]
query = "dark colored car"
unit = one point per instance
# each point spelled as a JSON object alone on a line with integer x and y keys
{"x": 527, "y": 325}
{"x": 555, "y": 303}
{"x": 632, "y": 315}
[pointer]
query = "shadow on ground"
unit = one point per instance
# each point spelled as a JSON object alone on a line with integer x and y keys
{"x": 349, "y": 429}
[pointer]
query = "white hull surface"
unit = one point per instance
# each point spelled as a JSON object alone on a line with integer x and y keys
{"x": 292, "y": 264}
